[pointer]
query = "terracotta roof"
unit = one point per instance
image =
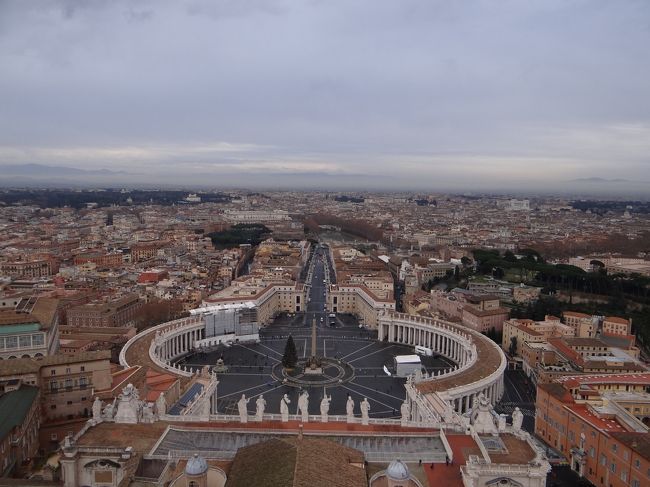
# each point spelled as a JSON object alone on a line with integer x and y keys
{"x": 638, "y": 442}
{"x": 296, "y": 462}
{"x": 603, "y": 423}
{"x": 486, "y": 312}
{"x": 519, "y": 451}
{"x": 43, "y": 312}
{"x": 575, "y": 314}
{"x": 557, "y": 391}
{"x": 584, "y": 342}
{"x": 616, "y": 319}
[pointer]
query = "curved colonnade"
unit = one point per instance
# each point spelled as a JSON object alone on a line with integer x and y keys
{"x": 166, "y": 343}
{"x": 480, "y": 364}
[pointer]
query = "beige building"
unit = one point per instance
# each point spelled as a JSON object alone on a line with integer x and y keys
{"x": 115, "y": 312}
{"x": 31, "y": 329}
{"x": 268, "y": 298}
{"x": 359, "y": 301}
{"x": 613, "y": 325}
{"x": 67, "y": 383}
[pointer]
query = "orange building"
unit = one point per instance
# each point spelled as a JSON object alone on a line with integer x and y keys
{"x": 587, "y": 419}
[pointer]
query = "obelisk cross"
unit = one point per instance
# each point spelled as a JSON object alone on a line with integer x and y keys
{"x": 313, "y": 342}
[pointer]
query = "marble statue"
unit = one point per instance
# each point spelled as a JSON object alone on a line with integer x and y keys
{"x": 284, "y": 408}
{"x": 129, "y": 406}
{"x": 502, "y": 422}
{"x": 303, "y": 406}
{"x": 325, "y": 408}
{"x": 482, "y": 415}
{"x": 349, "y": 409}
{"x": 405, "y": 410}
{"x": 517, "y": 419}
{"x": 241, "y": 407}
{"x": 97, "y": 410}
{"x": 147, "y": 414}
{"x": 67, "y": 442}
{"x": 109, "y": 410}
{"x": 365, "y": 410}
{"x": 260, "y": 406}
{"x": 161, "y": 405}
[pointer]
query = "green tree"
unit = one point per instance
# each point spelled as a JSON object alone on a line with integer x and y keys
{"x": 509, "y": 256}
{"x": 290, "y": 356}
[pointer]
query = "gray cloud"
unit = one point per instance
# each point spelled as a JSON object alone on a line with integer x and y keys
{"x": 410, "y": 91}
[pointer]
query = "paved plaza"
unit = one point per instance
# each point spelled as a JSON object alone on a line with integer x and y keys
{"x": 250, "y": 368}
{"x": 355, "y": 359}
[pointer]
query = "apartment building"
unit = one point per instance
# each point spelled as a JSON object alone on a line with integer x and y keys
{"x": 268, "y": 298}
{"x": 66, "y": 381}
{"x": 30, "y": 267}
{"x": 613, "y": 325}
{"x": 584, "y": 325}
{"x": 123, "y": 311}
{"x": 360, "y": 301}
{"x": 598, "y": 424}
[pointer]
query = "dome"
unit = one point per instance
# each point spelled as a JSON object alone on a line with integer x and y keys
{"x": 397, "y": 470}
{"x": 196, "y": 466}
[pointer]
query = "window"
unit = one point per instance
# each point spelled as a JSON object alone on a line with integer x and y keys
{"x": 614, "y": 447}
{"x": 37, "y": 340}
{"x": 592, "y": 452}
{"x": 603, "y": 459}
{"x": 637, "y": 463}
{"x": 25, "y": 341}
{"x": 624, "y": 475}
{"x": 612, "y": 467}
{"x": 54, "y": 386}
{"x": 83, "y": 368}
{"x": 53, "y": 372}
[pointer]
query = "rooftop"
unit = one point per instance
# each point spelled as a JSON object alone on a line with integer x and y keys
{"x": 14, "y": 407}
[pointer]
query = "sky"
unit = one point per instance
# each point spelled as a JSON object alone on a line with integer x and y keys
{"x": 351, "y": 94}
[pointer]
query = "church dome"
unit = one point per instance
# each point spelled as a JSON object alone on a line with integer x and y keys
{"x": 196, "y": 466}
{"x": 397, "y": 470}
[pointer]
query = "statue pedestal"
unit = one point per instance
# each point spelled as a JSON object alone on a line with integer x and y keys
{"x": 313, "y": 367}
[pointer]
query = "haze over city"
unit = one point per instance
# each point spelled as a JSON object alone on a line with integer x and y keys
{"x": 475, "y": 95}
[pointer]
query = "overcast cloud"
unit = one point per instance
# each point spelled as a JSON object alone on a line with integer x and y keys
{"x": 419, "y": 94}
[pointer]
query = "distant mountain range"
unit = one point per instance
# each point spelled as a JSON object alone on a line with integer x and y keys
{"x": 41, "y": 170}
{"x": 601, "y": 180}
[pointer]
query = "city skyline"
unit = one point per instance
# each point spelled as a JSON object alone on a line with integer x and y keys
{"x": 478, "y": 96}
